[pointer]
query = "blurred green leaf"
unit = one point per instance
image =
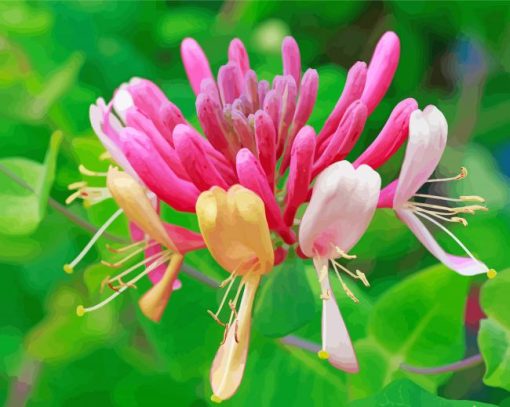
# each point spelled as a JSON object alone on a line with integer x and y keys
{"x": 286, "y": 301}
{"x": 22, "y": 208}
{"x": 406, "y": 393}
{"x": 75, "y": 335}
{"x": 494, "y": 334}
{"x": 423, "y": 312}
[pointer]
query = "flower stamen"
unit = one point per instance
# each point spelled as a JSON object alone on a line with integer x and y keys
{"x": 463, "y": 174}
{"x": 85, "y": 171}
{"x": 69, "y": 267}
{"x": 81, "y": 310}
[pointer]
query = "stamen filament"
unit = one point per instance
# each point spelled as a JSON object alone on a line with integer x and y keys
{"x": 154, "y": 257}
{"x": 81, "y": 310}
{"x": 85, "y": 171}
{"x": 128, "y": 257}
{"x": 463, "y": 174}
{"x": 68, "y": 268}
{"x": 462, "y": 198}
{"x": 125, "y": 248}
{"x": 455, "y": 238}
{"x": 347, "y": 290}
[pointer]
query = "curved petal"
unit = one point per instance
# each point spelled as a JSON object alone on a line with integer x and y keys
{"x": 427, "y": 141}
{"x": 462, "y": 265}
{"x": 381, "y": 69}
{"x": 336, "y": 341}
{"x": 237, "y": 54}
{"x": 291, "y": 59}
{"x": 391, "y": 137}
{"x": 343, "y": 202}
{"x": 353, "y": 89}
{"x": 195, "y": 63}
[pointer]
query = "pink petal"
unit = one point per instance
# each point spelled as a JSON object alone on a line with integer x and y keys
{"x": 96, "y": 114}
{"x": 195, "y": 63}
{"x": 427, "y": 141}
{"x": 266, "y": 139}
{"x": 148, "y": 98}
{"x": 263, "y": 87}
{"x": 155, "y": 173}
{"x": 170, "y": 116}
{"x": 391, "y": 137}
{"x": 343, "y": 202}
{"x": 462, "y": 265}
{"x": 209, "y": 88}
{"x": 345, "y": 137}
{"x": 300, "y": 172}
{"x": 288, "y": 91}
{"x": 237, "y": 54}
{"x": 387, "y": 195}
{"x": 251, "y": 90}
{"x": 230, "y": 83}
{"x": 252, "y": 176}
{"x": 280, "y": 254}
{"x": 272, "y": 107}
{"x": 244, "y": 131}
{"x": 291, "y": 59}
{"x": 137, "y": 120}
{"x": 195, "y": 160}
{"x": 353, "y": 90}
{"x": 185, "y": 240}
{"x": 215, "y": 128}
{"x": 381, "y": 70}
{"x": 335, "y": 337}
{"x": 305, "y": 104}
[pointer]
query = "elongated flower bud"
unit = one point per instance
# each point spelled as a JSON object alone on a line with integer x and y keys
{"x": 195, "y": 63}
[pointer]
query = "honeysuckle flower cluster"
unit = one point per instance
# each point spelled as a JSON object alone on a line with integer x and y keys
{"x": 255, "y": 165}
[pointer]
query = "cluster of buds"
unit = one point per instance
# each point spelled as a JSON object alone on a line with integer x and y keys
{"x": 247, "y": 179}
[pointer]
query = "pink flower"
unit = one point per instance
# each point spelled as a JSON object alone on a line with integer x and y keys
{"x": 427, "y": 140}
{"x": 343, "y": 202}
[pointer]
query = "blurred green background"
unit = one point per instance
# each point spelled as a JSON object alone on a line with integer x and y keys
{"x": 56, "y": 58}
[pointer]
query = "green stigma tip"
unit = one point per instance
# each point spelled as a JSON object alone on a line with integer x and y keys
{"x": 491, "y": 273}
{"x": 216, "y": 399}
{"x": 80, "y": 310}
{"x": 68, "y": 268}
{"x": 323, "y": 354}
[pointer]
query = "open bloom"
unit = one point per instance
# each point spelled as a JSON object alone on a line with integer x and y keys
{"x": 343, "y": 202}
{"x": 234, "y": 227}
{"x": 153, "y": 236}
{"x": 428, "y": 131}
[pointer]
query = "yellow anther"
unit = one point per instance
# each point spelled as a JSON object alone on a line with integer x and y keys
{"x": 322, "y": 354}
{"x": 68, "y": 268}
{"x": 216, "y": 399}
{"x": 472, "y": 198}
{"x": 491, "y": 273}
{"x": 80, "y": 310}
{"x": 460, "y": 220}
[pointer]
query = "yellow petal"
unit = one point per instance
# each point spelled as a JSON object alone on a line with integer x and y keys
{"x": 234, "y": 227}
{"x": 228, "y": 365}
{"x": 131, "y": 197}
{"x": 154, "y": 301}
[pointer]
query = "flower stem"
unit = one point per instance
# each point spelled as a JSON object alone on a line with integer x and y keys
{"x": 452, "y": 367}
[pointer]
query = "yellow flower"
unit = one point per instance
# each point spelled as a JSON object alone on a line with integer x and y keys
{"x": 234, "y": 227}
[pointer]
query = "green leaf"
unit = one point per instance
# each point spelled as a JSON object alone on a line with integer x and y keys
{"x": 406, "y": 393}
{"x": 286, "y": 301}
{"x": 23, "y": 207}
{"x": 276, "y": 375}
{"x": 423, "y": 312}
{"x": 494, "y": 334}
{"x": 74, "y": 335}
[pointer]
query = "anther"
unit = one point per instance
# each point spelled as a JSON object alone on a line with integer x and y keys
{"x": 343, "y": 254}
{"x": 472, "y": 198}
{"x": 463, "y": 174}
{"x": 363, "y": 278}
{"x": 215, "y": 317}
{"x": 216, "y": 399}
{"x": 85, "y": 171}
{"x": 460, "y": 220}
